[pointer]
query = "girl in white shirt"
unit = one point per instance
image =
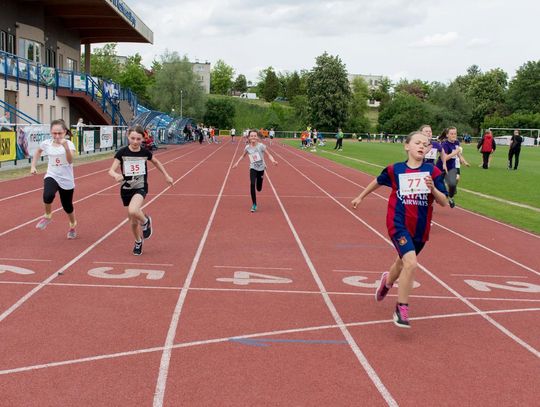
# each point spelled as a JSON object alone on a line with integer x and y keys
{"x": 59, "y": 177}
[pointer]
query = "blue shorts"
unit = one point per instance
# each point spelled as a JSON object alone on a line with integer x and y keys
{"x": 404, "y": 243}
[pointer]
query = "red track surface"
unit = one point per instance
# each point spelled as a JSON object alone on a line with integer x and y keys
{"x": 184, "y": 331}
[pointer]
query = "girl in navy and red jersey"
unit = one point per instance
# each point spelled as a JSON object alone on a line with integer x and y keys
{"x": 436, "y": 147}
{"x": 415, "y": 185}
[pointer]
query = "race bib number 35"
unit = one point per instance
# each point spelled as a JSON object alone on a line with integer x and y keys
{"x": 255, "y": 157}
{"x": 134, "y": 167}
{"x": 413, "y": 183}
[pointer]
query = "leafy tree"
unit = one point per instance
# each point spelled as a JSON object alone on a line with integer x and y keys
{"x": 358, "y": 122}
{"x": 174, "y": 83}
{"x": 524, "y": 89}
{"x": 328, "y": 93}
{"x": 294, "y": 86}
{"x": 464, "y": 81}
{"x": 487, "y": 93}
{"x": 382, "y": 92}
{"x": 219, "y": 113}
{"x": 104, "y": 63}
{"x": 300, "y": 105}
{"x": 403, "y": 114}
{"x": 448, "y": 106}
{"x": 417, "y": 88}
{"x": 221, "y": 78}
{"x": 269, "y": 85}
{"x": 135, "y": 77}
{"x": 240, "y": 84}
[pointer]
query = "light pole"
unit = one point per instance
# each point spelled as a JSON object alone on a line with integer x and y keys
{"x": 181, "y": 101}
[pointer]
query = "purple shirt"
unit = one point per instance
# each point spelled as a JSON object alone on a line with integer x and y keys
{"x": 432, "y": 154}
{"x": 448, "y": 148}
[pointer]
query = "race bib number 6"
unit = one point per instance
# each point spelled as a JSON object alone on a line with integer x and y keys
{"x": 134, "y": 167}
{"x": 413, "y": 183}
{"x": 255, "y": 157}
{"x": 58, "y": 160}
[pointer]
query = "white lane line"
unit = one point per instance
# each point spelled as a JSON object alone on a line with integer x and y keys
{"x": 45, "y": 282}
{"x": 76, "y": 179}
{"x": 161, "y": 384}
{"x": 256, "y": 335}
{"x": 435, "y": 223}
{"x": 13, "y": 259}
{"x": 253, "y": 268}
{"x": 485, "y": 275}
{"x": 134, "y": 264}
{"x": 358, "y": 271}
{"x": 374, "y": 377}
{"x": 84, "y": 199}
{"x": 428, "y": 272}
{"x": 257, "y": 290}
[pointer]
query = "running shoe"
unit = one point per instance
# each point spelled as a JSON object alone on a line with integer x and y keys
{"x": 253, "y": 208}
{"x": 382, "y": 290}
{"x": 147, "y": 227}
{"x": 72, "y": 233}
{"x": 137, "y": 249}
{"x": 401, "y": 316}
{"x": 451, "y": 202}
{"x": 43, "y": 222}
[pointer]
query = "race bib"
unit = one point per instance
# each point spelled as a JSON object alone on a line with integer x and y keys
{"x": 413, "y": 183}
{"x": 432, "y": 154}
{"x": 134, "y": 166}
{"x": 58, "y": 160}
{"x": 254, "y": 157}
{"x": 458, "y": 163}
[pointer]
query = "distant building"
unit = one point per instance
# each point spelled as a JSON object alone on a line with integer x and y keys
{"x": 372, "y": 81}
{"x": 202, "y": 73}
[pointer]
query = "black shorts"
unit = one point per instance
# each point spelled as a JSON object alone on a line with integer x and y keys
{"x": 127, "y": 194}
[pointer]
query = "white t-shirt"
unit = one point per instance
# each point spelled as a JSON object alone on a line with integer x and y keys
{"x": 59, "y": 169}
{"x": 256, "y": 156}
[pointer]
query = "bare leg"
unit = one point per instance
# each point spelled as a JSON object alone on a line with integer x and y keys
{"x": 136, "y": 216}
{"x": 406, "y": 277}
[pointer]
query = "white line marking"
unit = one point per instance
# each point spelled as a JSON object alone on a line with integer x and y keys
{"x": 428, "y": 272}
{"x": 256, "y": 335}
{"x": 253, "y": 268}
{"x": 435, "y": 223}
{"x": 133, "y": 264}
{"x": 358, "y": 271}
{"x": 45, "y": 282}
{"x": 485, "y": 275}
{"x": 83, "y": 199}
{"x": 461, "y": 209}
{"x": 496, "y": 199}
{"x": 161, "y": 384}
{"x": 13, "y": 259}
{"x": 335, "y": 314}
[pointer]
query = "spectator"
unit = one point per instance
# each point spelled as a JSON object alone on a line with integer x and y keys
{"x": 515, "y": 150}
{"x": 486, "y": 146}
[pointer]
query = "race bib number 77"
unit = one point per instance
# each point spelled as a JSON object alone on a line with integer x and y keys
{"x": 413, "y": 183}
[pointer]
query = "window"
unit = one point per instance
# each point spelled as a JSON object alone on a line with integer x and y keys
{"x": 40, "y": 113}
{"x": 71, "y": 64}
{"x": 50, "y": 58}
{"x": 11, "y": 44}
{"x": 60, "y": 61}
{"x": 3, "y": 41}
{"x": 52, "y": 113}
{"x": 64, "y": 113}
{"x": 30, "y": 50}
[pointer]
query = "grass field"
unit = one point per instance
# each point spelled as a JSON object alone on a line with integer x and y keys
{"x": 521, "y": 186}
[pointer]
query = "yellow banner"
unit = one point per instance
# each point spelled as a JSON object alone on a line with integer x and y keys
{"x": 8, "y": 146}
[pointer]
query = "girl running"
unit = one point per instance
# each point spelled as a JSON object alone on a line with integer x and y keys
{"x": 255, "y": 150}
{"x": 436, "y": 147}
{"x": 451, "y": 151}
{"x": 59, "y": 177}
{"x": 134, "y": 178}
{"x": 415, "y": 185}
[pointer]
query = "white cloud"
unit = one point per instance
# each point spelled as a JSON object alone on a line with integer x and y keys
{"x": 477, "y": 42}
{"x": 436, "y": 40}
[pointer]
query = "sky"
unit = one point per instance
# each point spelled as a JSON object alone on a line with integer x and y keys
{"x": 430, "y": 40}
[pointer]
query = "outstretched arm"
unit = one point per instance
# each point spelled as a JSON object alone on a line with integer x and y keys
{"x": 36, "y": 156}
{"x": 240, "y": 159}
{"x": 270, "y": 157}
{"x": 373, "y": 185}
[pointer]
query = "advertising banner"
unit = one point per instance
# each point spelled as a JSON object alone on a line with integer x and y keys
{"x": 106, "y": 137}
{"x": 48, "y": 77}
{"x": 79, "y": 82}
{"x": 8, "y": 146}
{"x": 29, "y": 138}
{"x": 88, "y": 140}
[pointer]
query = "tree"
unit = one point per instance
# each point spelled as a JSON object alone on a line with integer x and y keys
{"x": 463, "y": 82}
{"x": 293, "y": 86}
{"x": 403, "y": 114}
{"x": 221, "y": 78}
{"x": 358, "y": 122}
{"x": 524, "y": 89}
{"x": 269, "y": 85}
{"x": 104, "y": 63}
{"x": 487, "y": 93}
{"x": 448, "y": 106}
{"x": 219, "y": 113}
{"x": 175, "y": 84}
{"x": 328, "y": 93}
{"x": 417, "y": 88}
{"x": 240, "y": 84}
{"x": 134, "y": 76}
{"x": 382, "y": 92}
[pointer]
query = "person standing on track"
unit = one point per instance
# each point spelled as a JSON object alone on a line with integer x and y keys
{"x": 233, "y": 133}
{"x": 515, "y": 150}
{"x": 134, "y": 178}
{"x": 59, "y": 177}
{"x": 255, "y": 151}
{"x": 415, "y": 185}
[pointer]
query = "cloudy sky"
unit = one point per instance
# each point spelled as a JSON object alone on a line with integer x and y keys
{"x": 428, "y": 39}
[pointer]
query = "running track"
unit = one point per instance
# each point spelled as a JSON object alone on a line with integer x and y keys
{"x": 228, "y": 308}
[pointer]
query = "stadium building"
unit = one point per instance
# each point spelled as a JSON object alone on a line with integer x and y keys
{"x": 41, "y": 63}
